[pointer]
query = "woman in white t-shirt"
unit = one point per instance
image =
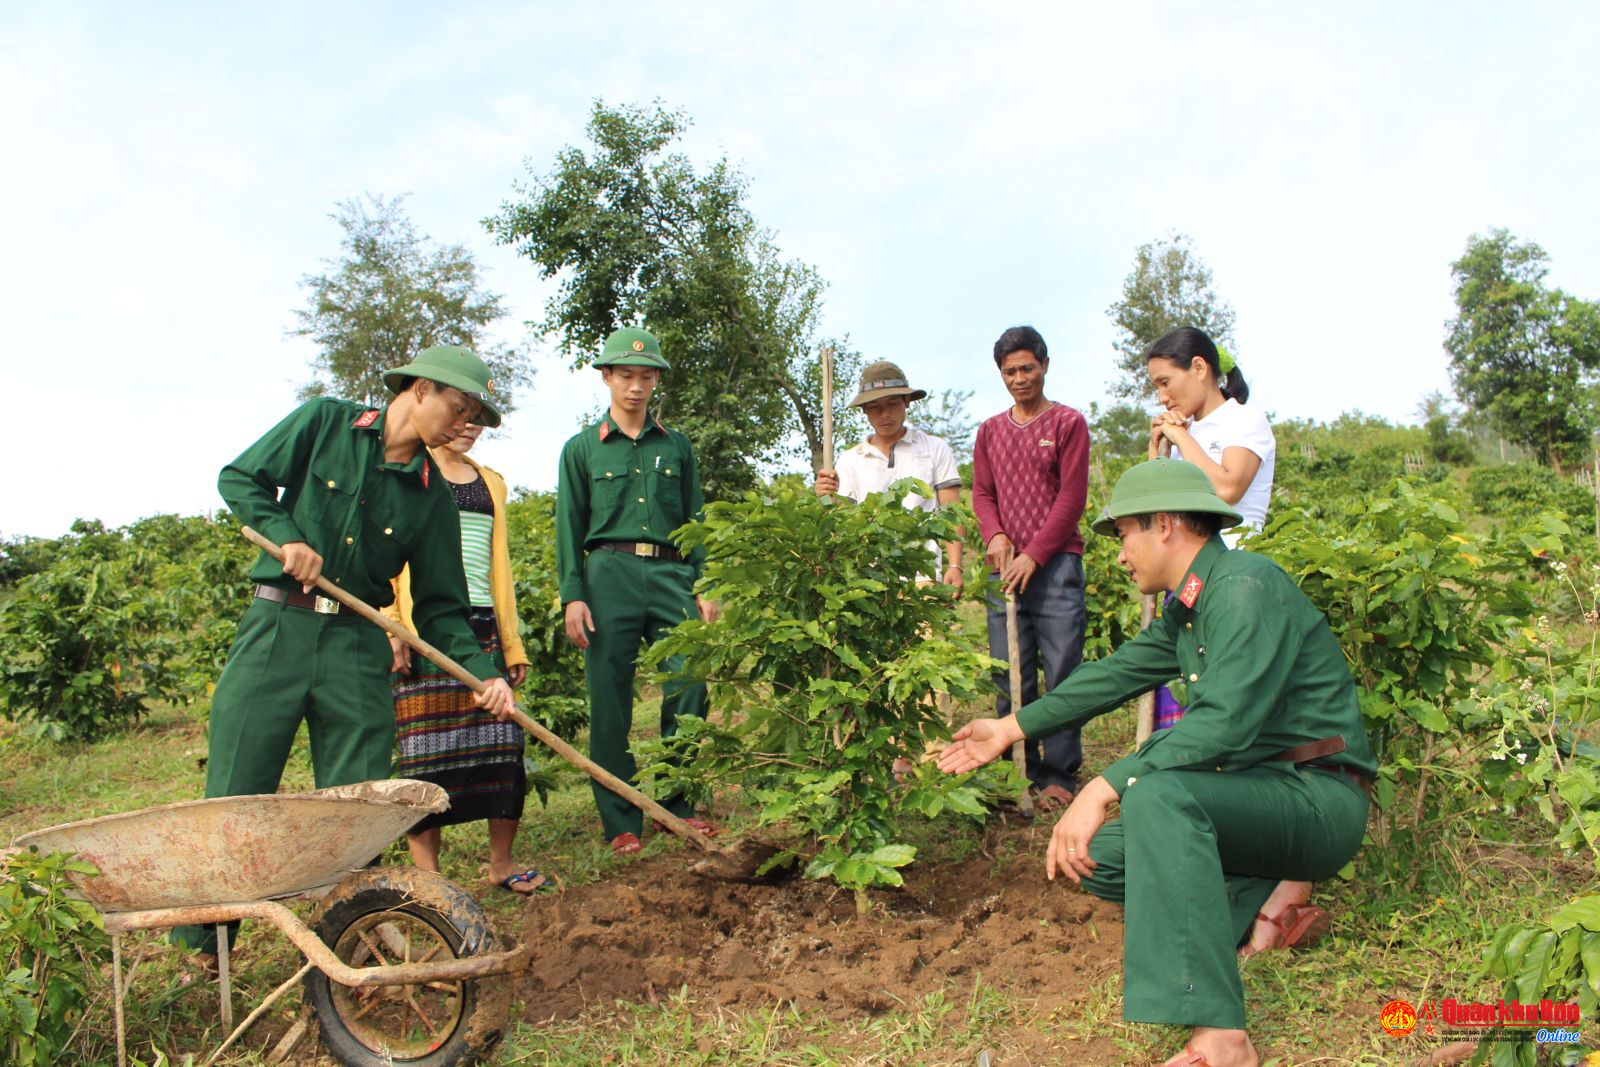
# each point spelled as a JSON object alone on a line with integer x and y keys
{"x": 1207, "y": 423}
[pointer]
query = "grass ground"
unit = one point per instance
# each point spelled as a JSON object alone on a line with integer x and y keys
{"x": 1413, "y": 922}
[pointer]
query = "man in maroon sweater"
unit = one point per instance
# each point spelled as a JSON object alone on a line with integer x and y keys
{"x": 1030, "y": 476}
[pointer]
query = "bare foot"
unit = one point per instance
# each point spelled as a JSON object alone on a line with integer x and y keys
{"x": 1264, "y": 935}
{"x": 1216, "y": 1047}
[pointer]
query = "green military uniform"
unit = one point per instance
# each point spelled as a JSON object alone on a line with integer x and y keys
{"x": 1211, "y": 821}
{"x": 367, "y": 518}
{"x": 632, "y": 492}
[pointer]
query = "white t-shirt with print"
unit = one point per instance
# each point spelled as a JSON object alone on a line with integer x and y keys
{"x": 1235, "y": 425}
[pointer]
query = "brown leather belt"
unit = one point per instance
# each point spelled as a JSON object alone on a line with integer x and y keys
{"x": 322, "y": 605}
{"x": 645, "y": 549}
{"x": 1311, "y": 755}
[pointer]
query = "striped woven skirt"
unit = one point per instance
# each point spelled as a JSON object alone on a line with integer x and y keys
{"x": 446, "y": 740}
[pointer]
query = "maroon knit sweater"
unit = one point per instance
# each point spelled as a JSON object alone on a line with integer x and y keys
{"x": 1030, "y": 482}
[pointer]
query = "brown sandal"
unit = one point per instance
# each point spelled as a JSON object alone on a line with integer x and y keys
{"x": 1296, "y": 926}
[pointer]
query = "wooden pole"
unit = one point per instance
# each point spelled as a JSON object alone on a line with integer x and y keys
{"x": 827, "y": 408}
{"x": 1019, "y": 752}
{"x": 1147, "y": 703}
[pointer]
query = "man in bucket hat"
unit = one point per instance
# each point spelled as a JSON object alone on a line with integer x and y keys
{"x": 894, "y": 451}
{"x": 359, "y": 500}
{"x": 1264, "y": 779}
{"x": 625, "y": 484}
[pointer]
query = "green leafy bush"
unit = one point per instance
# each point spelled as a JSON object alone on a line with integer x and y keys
{"x": 554, "y": 691}
{"x": 824, "y": 669}
{"x": 87, "y": 643}
{"x": 1518, "y": 491}
{"x": 51, "y": 942}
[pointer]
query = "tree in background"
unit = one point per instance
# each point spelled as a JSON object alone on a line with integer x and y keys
{"x": 1525, "y": 355}
{"x": 1168, "y": 287}
{"x": 391, "y": 293}
{"x": 637, "y": 234}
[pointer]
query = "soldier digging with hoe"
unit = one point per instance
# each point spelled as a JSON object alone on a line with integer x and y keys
{"x": 625, "y": 484}
{"x": 1263, "y": 779}
{"x": 360, "y": 500}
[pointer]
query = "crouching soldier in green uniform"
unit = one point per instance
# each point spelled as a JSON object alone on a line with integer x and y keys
{"x": 625, "y": 484}
{"x": 360, "y": 500}
{"x": 1264, "y": 779}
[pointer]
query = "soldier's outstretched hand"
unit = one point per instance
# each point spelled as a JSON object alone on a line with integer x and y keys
{"x": 980, "y": 741}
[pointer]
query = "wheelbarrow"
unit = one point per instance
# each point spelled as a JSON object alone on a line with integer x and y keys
{"x": 403, "y": 966}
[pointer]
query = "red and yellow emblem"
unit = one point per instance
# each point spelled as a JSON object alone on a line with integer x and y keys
{"x": 1398, "y": 1018}
{"x": 638, "y": 346}
{"x": 366, "y": 418}
{"x": 1191, "y": 590}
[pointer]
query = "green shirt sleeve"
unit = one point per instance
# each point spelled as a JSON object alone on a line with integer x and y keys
{"x": 1248, "y": 669}
{"x": 694, "y": 505}
{"x": 249, "y": 485}
{"x": 572, "y": 521}
{"x": 1137, "y": 666}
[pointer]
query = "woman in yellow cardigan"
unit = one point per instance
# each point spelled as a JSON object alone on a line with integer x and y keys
{"x": 443, "y": 738}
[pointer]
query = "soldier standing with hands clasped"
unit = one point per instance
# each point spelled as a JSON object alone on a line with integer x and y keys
{"x": 626, "y": 483}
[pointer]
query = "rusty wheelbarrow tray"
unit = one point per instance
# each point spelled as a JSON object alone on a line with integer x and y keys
{"x": 217, "y": 861}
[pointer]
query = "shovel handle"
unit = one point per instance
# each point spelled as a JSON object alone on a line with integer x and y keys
{"x": 466, "y": 678}
{"x": 1019, "y": 753}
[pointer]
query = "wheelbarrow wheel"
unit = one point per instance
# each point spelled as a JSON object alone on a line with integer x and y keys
{"x": 403, "y": 915}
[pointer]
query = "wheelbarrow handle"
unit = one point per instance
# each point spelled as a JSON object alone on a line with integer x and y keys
{"x": 466, "y": 678}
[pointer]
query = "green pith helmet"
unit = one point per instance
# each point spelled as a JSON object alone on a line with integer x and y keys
{"x": 460, "y": 368}
{"x": 1162, "y": 485}
{"x": 632, "y": 346}
{"x": 884, "y": 379}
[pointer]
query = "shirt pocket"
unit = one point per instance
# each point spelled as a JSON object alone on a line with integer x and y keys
{"x": 667, "y": 493}
{"x": 607, "y": 484}
{"x": 327, "y": 500}
{"x": 386, "y": 544}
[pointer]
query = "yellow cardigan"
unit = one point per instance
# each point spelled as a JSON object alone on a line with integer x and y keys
{"x": 505, "y": 597}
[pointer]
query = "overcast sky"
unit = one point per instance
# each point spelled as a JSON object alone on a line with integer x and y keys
{"x": 950, "y": 169}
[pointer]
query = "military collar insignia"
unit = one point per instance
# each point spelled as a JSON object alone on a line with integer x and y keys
{"x": 605, "y": 427}
{"x": 366, "y": 418}
{"x": 1191, "y": 590}
{"x": 424, "y": 472}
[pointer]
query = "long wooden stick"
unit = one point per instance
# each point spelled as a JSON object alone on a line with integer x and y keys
{"x": 1147, "y": 702}
{"x": 827, "y": 408}
{"x": 1019, "y": 751}
{"x": 466, "y": 678}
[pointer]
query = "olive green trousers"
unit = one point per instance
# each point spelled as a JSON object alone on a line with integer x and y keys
{"x": 633, "y": 600}
{"x": 289, "y": 664}
{"x": 1194, "y": 857}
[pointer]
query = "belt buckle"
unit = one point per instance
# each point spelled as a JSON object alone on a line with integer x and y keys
{"x": 644, "y": 548}
{"x": 324, "y": 605}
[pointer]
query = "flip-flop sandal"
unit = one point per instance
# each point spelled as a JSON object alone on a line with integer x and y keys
{"x": 1052, "y": 797}
{"x": 626, "y": 844}
{"x": 1296, "y": 926}
{"x": 546, "y": 886}
{"x": 1195, "y": 1058}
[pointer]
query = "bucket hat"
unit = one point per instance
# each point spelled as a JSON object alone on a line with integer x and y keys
{"x": 632, "y": 347}
{"x": 1162, "y": 485}
{"x": 884, "y": 379}
{"x": 460, "y": 368}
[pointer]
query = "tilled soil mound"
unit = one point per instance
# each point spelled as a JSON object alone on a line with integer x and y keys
{"x": 656, "y": 928}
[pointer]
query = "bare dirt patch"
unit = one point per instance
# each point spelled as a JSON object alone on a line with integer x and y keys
{"x": 655, "y": 929}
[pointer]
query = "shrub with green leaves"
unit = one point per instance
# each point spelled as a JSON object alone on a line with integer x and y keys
{"x": 1519, "y": 491}
{"x": 51, "y": 943}
{"x": 823, "y": 670}
{"x": 88, "y": 642}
